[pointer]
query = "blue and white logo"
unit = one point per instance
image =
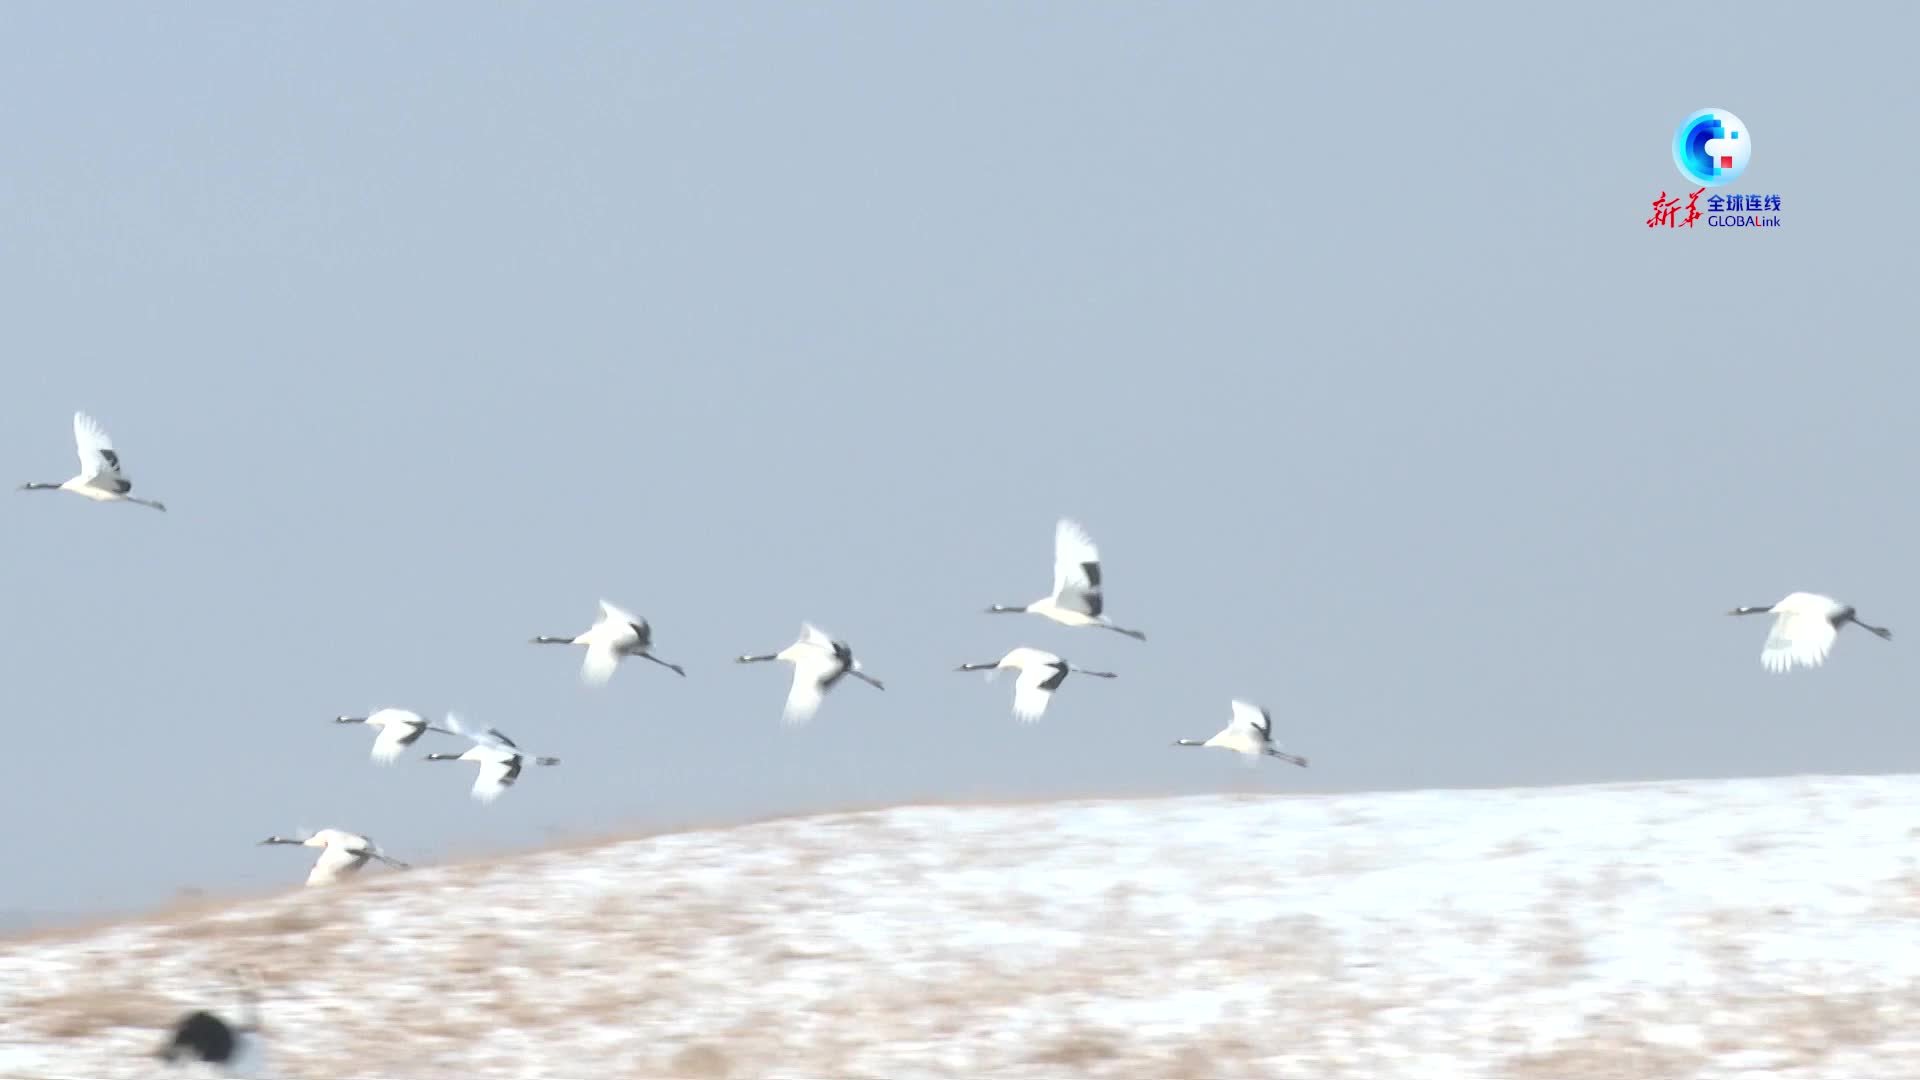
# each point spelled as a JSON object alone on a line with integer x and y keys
{"x": 1712, "y": 147}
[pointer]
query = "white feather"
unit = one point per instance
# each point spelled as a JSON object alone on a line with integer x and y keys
{"x": 1073, "y": 550}
{"x": 1802, "y": 632}
{"x": 397, "y": 729}
{"x": 1252, "y": 718}
{"x": 91, "y": 439}
{"x": 601, "y": 661}
{"x": 1037, "y": 668}
{"x": 1029, "y": 697}
{"x": 817, "y": 665}
{"x": 492, "y": 777}
{"x": 806, "y": 694}
{"x": 1249, "y": 733}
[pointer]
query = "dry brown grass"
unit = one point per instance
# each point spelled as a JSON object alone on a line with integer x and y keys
{"x": 90, "y": 1009}
{"x": 596, "y": 840}
{"x": 1899, "y": 898}
{"x": 1081, "y": 1049}
{"x": 744, "y": 965}
{"x": 1605, "y": 1057}
{"x": 189, "y": 904}
{"x": 700, "y": 1061}
{"x": 1517, "y": 846}
{"x": 281, "y": 924}
{"x": 1561, "y": 946}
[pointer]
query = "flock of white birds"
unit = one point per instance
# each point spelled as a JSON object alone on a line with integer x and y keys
{"x": 1805, "y": 626}
{"x": 819, "y": 661}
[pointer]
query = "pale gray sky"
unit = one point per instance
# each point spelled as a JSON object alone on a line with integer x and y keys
{"x": 1337, "y": 326}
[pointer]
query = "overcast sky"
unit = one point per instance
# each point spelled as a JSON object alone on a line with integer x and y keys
{"x": 1337, "y": 326}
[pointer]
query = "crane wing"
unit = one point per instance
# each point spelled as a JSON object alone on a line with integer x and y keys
{"x": 97, "y": 456}
{"x": 334, "y": 863}
{"x": 1076, "y": 570}
{"x": 809, "y": 689}
{"x": 618, "y": 616}
{"x": 1034, "y": 689}
{"x": 394, "y": 738}
{"x": 491, "y": 738}
{"x": 388, "y": 715}
{"x": 1026, "y": 656}
{"x": 1796, "y": 638}
{"x": 496, "y": 775}
{"x": 600, "y": 662}
{"x": 1255, "y": 720}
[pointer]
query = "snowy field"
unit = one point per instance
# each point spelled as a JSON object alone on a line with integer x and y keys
{"x": 1753, "y": 928}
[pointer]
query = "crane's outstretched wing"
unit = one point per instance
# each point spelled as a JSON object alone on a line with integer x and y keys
{"x": 98, "y": 459}
{"x": 617, "y": 615}
{"x": 393, "y": 740}
{"x": 1035, "y": 686}
{"x": 497, "y": 774}
{"x": 1797, "y": 638}
{"x": 809, "y": 689}
{"x": 1076, "y": 570}
{"x": 1254, "y": 720}
{"x": 492, "y": 738}
{"x": 396, "y": 729}
{"x": 600, "y": 662}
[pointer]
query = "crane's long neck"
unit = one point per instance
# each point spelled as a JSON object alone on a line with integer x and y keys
{"x": 1007, "y": 609}
{"x": 544, "y": 639}
{"x": 754, "y": 659}
{"x": 1189, "y": 742}
{"x": 989, "y": 666}
{"x": 1751, "y": 610}
{"x": 35, "y": 485}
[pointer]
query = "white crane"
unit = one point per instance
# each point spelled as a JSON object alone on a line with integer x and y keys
{"x": 233, "y": 1048}
{"x": 819, "y": 661}
{"x": 341, "y": 853}
{"x": 1804, "y": 628}
{"x": 500, "y": 760}
{"x": 1077, "y": 598}
{"x": 398, "y": 729}
{"x": 616, "y": 635}
{"x": 1041, "y": 673}
{"x": 100, "y": 477}
{"x": 1250, "y": 732}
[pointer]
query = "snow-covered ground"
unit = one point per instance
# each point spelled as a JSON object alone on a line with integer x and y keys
{"x": 1752, "y": 928}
